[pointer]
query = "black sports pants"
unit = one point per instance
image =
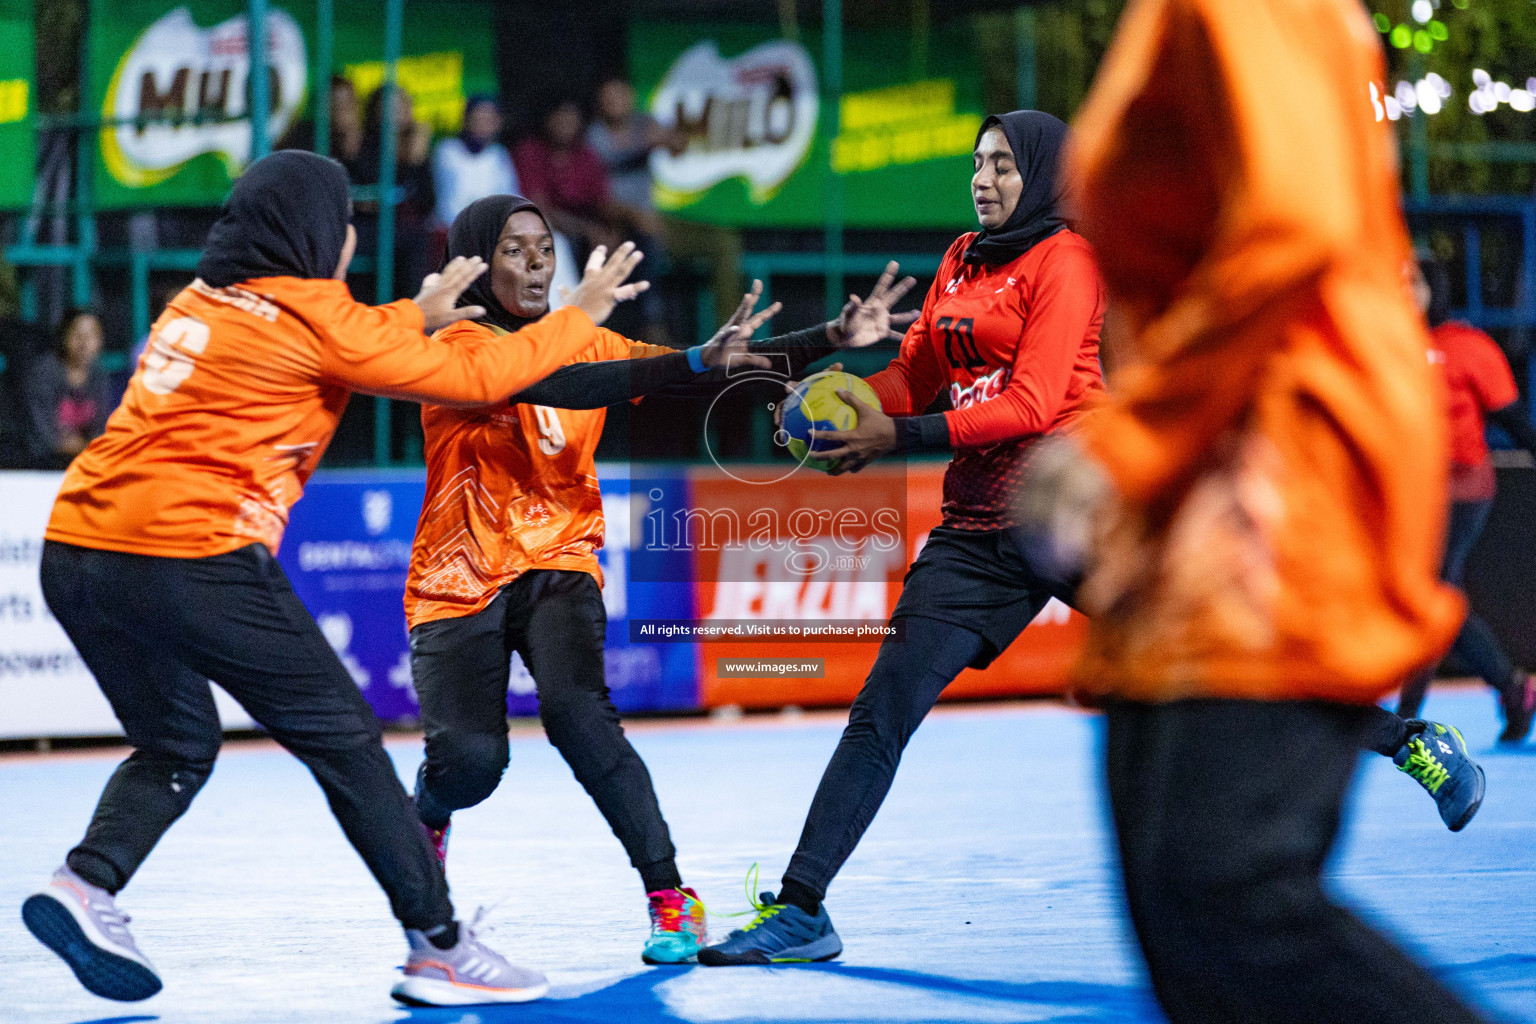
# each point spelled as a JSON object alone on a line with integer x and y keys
{"x": 555, "y": 619}
{"x": 967, "y": 597}
{"x": 1476, "y": 646}
{"x": 1222, "y": 844}
{"x": 154, "y": 631}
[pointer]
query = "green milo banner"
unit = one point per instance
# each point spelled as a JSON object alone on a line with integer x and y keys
{"x": 760, "y": 149}
{"x": 18, "y": 148}
{"x": 190, "y": 62}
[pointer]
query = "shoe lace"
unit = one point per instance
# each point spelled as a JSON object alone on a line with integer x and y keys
{"x": 1424, "y": 767}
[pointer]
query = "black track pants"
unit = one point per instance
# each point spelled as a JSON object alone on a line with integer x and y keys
{"x": 154, "y": 631}
{"x": 1225, "y": 812}
{"x": 555, "y": 619}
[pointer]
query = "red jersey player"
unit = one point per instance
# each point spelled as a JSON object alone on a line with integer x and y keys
{"x": 1479, "y": 388}
{"x": 1010, "y": 328}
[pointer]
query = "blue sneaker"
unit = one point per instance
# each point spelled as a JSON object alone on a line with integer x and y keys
{"x": 781, "y": 933}
{"x": 1436, "y": 757}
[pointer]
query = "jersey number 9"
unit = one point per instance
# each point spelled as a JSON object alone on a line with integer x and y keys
{"x": 552, "y": 434}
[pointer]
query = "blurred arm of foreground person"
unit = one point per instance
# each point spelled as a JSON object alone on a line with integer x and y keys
{"x": 1274, "y": 439}
{"x": 1263, "y": 494}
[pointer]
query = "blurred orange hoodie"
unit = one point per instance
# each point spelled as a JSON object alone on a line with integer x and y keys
{"x": 1277, "y": 442}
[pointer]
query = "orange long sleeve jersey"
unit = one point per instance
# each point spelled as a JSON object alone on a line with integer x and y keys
{"x": 509, "y": 488}
{"x": 238, "y": 394}
{"x": 1277, "y": 442}
{"x": 1017, "y": 347}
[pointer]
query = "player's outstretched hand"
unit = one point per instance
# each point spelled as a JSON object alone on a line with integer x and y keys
{"x": 1060, "y": 505}
{"x": 866, "y": 321}
{"x": 873, "y": 436}
{"x": 728, "y": 348}
{"x": 602, "y": 286}
{"x": 439, "y": 292}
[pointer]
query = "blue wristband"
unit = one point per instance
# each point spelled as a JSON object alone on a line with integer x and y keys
{"x": 696, "y": 358}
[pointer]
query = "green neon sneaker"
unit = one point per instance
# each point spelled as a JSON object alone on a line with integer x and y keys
{"x": 1436, "y": 757}
{"x": 781, "y": 933}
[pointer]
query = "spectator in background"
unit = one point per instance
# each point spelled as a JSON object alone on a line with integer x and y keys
{"x": 346, "y": 128}
{"x": 68, "y": 395}
{"x": 413, "y": 188}
{"x": 474, "y": 164}
{"x": 566, "y": 179}
{"x": 624, "y": 138}
{"x": 1480, "y": 389}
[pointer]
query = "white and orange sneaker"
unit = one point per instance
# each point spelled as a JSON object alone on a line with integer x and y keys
{"x": 81, "y": 923}
{"x": 677, "y": 927}
{"x": 468, "y": 974}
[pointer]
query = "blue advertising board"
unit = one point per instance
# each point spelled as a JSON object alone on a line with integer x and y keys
{"x": 348, "y": 548}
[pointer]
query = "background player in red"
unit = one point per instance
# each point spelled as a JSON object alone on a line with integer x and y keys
{"x": 1480, "y": 389}
{"x": 160, "y": 560}
{"x": 1010, "y": 328}
{"x": 505, "y": 557}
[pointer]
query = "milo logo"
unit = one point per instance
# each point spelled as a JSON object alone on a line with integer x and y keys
{"x": 752, "y": 116}
{"x": 194, "y": 79}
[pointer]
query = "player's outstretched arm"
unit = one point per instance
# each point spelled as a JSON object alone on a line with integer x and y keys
{"x": 382, "y": 351}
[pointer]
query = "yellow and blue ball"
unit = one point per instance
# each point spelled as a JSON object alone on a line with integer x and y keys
{"x": 814, "y": 408}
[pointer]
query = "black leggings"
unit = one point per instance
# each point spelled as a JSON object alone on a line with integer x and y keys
{"x": 1476, "y": 646}
{"x": 556, "y": 621}
{"x": 1222, "y": 844}
{"x": 154, "y": 631}
{"x": 967, "y": 597}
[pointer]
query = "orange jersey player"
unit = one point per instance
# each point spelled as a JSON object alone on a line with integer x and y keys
{"x": 505, "y": 557}
{"x": 1267, "y": 485}
{"x": 159, "y": 560}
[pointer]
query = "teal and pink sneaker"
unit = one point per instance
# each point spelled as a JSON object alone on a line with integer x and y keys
{"x": 677, "y": 927}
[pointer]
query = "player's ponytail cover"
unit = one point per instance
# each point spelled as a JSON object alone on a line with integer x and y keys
{"x": 286, "y": 216}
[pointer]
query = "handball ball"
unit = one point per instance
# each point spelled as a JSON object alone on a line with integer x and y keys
{"x": 813, "y": 408}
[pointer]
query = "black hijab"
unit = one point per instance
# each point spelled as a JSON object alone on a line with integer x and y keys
{"x": 1036, "y": 139}
{"x": 286, "y": 217}
{"x": 475, "y": 232}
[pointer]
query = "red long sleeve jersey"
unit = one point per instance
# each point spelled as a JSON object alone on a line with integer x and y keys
{"x": 1017, "y": 346}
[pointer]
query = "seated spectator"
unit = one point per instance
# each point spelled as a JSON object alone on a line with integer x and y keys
{"x": 68, "y": 395}
{"x": 624, "y": 138}
{"x": 474, "y": 164}
{"x": 413, "y": 188}
{"x": 568, "y": 181}
{"x": 346, "y": 128}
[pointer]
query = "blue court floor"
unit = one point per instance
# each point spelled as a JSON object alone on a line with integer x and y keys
{"x": 984, "y": 892}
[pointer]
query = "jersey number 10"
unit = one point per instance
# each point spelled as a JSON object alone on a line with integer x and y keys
{"x": 960, "y": 341}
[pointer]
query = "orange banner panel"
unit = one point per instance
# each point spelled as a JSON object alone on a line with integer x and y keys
{"x": 830, "y": 552}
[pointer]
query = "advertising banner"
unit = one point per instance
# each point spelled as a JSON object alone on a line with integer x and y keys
{"x": 348, "y": 549}
{"x": 45, "y": 689}
{"x": 818, "y": 578}
{"x": 760, "y": 146}
{"x": 189, "y": 61}
{"x": 18, "y": 145}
